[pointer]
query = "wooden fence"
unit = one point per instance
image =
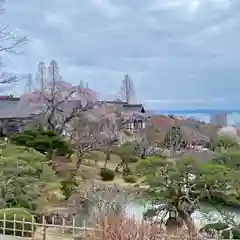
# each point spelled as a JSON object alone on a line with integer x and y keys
{"x": 30, "y": 229}
{"x": 62, "y": 229}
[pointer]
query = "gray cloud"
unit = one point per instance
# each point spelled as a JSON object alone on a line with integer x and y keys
{"x": 183, "y": 49}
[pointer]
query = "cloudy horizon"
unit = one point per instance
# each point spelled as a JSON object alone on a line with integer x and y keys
{"x": 178, "y": 52}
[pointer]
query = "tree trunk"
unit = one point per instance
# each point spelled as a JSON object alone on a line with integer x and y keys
{"x": 107, "y": 158}
{"x": 143, "y": 154}
{"x": 192, "y": 231}
{"x": 174, "y": 224}
{"x": 119, "y": 166}
{"x": 79, "y": 160}
{"x": 105, "y": 163}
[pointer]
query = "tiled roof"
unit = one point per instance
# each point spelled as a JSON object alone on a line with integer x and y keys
{"x": 10, "y": 98}
{"x": 29, "y": 104}
{"x": 128, "y": 107}
{"x": 18, "y": 109}
{"x": 133, "y": 107}
{"x": 11, "y": 109}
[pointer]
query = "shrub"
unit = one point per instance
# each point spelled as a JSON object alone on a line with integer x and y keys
{"x": 21, "y": 215}
{"x": 128, "y": 228}
{"x": 129, "y": 179}
{"x": 43, "y": 141}
{"x": 50, "y": 133}
{"x": 63, "y": 147}
{"x": 107, "y": 174}
{"x": 31, "y": 176}
{"x": 22, "y": 139}
{"x": 127, "y": 171}
{"x": 214, "y": 228}
{"x": 42, "y": 144}
{"x": 69, "y": 186}
{"x": 133, "y": 159}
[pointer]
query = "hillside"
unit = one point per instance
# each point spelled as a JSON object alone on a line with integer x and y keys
{"x": 194, "y": 130}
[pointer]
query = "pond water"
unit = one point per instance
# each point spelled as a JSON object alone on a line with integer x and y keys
{"x": 206, "y": 214}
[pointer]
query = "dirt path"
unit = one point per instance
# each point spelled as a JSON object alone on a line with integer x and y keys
{"x": 52, "y": 234}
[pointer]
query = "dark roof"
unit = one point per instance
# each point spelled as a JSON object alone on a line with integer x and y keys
{"x": 128, "y": 107}
{"x": 9, "y": 98}
{"x": 16, "y": 109}
{"x": 117, "y": 101}
{"x": 12, "y": 107}
{"x": 134, "y": 107}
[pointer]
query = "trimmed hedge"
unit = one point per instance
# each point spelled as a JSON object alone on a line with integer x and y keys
{"x": 219, "y": 226}
{"x": 21, "y": 215}
{"x": 129, "y": 179}
{"x": 107, "y": 174}
{"x": 127, "y": 172}
{"x": 68, "y": 186}
{"x": 43, "y": 141}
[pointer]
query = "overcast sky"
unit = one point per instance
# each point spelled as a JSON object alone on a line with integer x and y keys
{"x": 179, "y": 53}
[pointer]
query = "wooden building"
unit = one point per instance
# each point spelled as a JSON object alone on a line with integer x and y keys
{"x": 15, "y": 112}
{"x": 135, "y": 116}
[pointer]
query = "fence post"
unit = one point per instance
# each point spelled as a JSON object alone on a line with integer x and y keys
{"x": 14, "y": 224}
{"x": 4, "y": 223}
{"x": 230, "y": 234}
{"x": 23, "y": 221}
{"x": 85, "y": 229}
{"x": 74, "y": 225}
{"x": 63, "y": 224}
{"x": 53, "y": 220}
{"x": 44, "y": 227}
{"x": 32, "y": 225}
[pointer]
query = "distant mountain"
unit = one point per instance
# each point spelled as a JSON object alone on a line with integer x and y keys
{"x": 181, "y": 113}
{"x": 193, "y": 111}
{"x": 151, "y": 113}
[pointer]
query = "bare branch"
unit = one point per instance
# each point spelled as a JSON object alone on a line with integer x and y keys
{"x": 95, "y": 128}
{"x": 7, "y": 78}
{"x": 10, "y": 43}
{"x": 16, "y": 42}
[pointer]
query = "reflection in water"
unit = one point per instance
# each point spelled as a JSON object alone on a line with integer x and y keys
{"x": 203, "y": 217}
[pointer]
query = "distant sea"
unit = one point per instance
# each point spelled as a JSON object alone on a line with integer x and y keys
{"x": 202, "y": 114}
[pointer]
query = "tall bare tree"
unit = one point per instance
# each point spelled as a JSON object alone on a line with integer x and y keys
{"x": 95, "y": 201}
{"x": 54, "y": 105}
{"x": 85, "y": 135}
{"x": 10, "y": 43}
{"x": 95, "y": 129}
{"x": 149, "y": 141}
{"x": 41, "y": 76}
{"x": 114, "y": 124}
{"x": 55, "y": 99}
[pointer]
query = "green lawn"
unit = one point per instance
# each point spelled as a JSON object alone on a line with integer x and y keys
{"x": 89, "y": 169}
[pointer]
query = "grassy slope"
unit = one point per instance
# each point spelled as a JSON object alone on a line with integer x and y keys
{"x": 89, "y": 170}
